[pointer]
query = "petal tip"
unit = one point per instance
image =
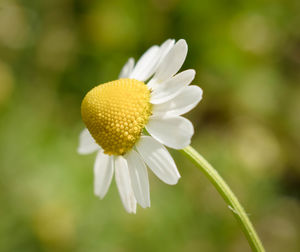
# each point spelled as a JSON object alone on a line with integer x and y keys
{"x": 173, "y": 182}
{"x": 81, "y": 151}
{"x": 193, "y": 71}
{"x": 182, "y": 42}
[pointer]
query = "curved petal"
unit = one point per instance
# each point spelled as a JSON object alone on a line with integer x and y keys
{"x": 139, "y": 178}
{"x": 172, "y": 61}
{"x": 124, "y": 184}
{"x": 165, "y": 48}
{"x": 175, "y": 132}
{"x": 146, "y": 65}
{"x": 127, "y": 69}
{"x": 169, "y": 89}
{"x": 158, "y": 159}
{"x": 87, "y": 143}
{"x": 185, "y": 101}
{"x": 103, "y": 173}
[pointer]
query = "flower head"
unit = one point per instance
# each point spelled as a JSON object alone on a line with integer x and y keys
{"x": 129, "y": 121}
{"x": 116, "y": 113}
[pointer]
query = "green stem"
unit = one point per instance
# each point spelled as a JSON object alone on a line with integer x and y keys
{"x": 229, "y": 197}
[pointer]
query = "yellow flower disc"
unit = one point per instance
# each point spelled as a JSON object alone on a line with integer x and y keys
{"x": 115, "y": 114}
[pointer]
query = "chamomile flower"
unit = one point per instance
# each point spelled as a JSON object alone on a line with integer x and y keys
{"x": 129, "y": 122}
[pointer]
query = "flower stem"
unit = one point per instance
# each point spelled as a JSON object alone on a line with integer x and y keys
{"x": 229, "y": 197}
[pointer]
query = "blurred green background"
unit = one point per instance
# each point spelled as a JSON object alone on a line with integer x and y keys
{"x": 247, "y": 58}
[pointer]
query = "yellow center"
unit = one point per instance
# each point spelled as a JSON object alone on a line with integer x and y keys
{"x": 115, "y": 114}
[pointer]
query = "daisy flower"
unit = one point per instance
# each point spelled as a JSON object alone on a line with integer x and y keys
{"x": 129, "y": 122}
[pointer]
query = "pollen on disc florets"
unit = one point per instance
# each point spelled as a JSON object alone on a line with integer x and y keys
{"x": 115, "y": 114}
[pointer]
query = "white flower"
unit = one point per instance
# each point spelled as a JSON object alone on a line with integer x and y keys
{"x": 116, "y": 114}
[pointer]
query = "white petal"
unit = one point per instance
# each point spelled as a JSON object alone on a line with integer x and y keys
{"x": 158, "y": 159}
{"x": 127, "y": 69}
{"x": 124, "y": 184}
{"x": 180, "y": 104}
{"x": 146, "y": 65}
{"x": 103, "y": 173}
{"x": 87, "y": 143}
{"x": 165, "y": 48}
{"x": 169, "y": 89}
{"x": 175, "y": 132}
{"x": 172, "y": 62}
{"x": 139, "y": 178}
